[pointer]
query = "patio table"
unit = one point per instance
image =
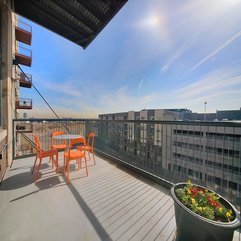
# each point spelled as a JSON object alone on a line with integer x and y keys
{"x": 68, "y": 138}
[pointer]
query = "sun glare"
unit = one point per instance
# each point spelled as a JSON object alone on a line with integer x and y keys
{"x": 153, "y": 21}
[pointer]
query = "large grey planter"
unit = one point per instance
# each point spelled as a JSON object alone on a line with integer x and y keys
{"x": 191, "y": 226}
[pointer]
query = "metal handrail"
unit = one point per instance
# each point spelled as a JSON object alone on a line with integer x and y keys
{"x": 159, "y": 122}
{"x": 24, "y": 99}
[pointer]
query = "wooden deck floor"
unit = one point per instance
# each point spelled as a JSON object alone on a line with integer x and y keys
{"x": 109, "y": 204}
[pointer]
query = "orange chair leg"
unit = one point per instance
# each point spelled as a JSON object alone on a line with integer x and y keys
{"x": 86, "y": 167}
{"x": 93, "y": 156}
{"x": 34, "y": 164}
{"x": 38, "y": 171}
{"x": 57, "y": 163}
{"x": 52, "y": 158}
{"x": 68, "y": 172}
{"x": 64, "y": 166}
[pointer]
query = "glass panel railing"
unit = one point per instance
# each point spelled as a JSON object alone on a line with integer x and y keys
{"x": 208, "y": 153}
{"x": 24, "y": 77}
{"x": 24, "y": 26}
{"x": 22, "y": 103}
{"x": 24, "y": 51}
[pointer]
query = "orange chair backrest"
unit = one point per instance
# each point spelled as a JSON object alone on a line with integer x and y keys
{"x": 80, "y": 140}
{"x": 91, "y": 139}
{"x": 37, "y": 143}
{"x": 77, "y": 141}
{"x": 57, "y": 133}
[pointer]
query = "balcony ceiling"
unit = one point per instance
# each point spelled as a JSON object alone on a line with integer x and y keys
{"x": 79, "y": 21}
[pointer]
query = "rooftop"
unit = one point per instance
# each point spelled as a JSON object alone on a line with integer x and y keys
{"x": 112, "y": 203}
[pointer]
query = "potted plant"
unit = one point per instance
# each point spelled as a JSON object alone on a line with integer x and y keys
{"x": 202, "y": 214}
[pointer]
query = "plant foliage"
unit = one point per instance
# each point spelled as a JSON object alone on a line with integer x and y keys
{"x": 204, "y": 202}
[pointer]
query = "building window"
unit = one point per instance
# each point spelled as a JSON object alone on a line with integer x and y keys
{"x": 190, "y": 172}
{"x": 233, "y": 185}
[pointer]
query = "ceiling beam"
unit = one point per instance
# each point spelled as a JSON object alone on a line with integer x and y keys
{"x": 76, "y": 14}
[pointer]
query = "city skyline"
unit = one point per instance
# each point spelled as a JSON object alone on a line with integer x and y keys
{"x": 153, "y": 55}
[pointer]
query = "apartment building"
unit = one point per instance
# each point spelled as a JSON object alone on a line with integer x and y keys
{"x": 207, "y": 152}
{"x": 15, "y": 42}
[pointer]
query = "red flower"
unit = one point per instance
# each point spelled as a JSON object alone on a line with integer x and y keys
{"x": 213, "y": 202}
{"x": 193, "y": 191}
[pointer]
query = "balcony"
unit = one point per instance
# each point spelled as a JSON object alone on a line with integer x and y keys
{"x": 112, "y": 203}
{"x": 24, "y": 81}
{"x": 23, "y": 103}
{"x": 126, "y": 195}
{"x": 23, "y": 32}
{"x": 23, "y": 56}
{"x": 24, "y": 128}
{"x": 109, "y": 204}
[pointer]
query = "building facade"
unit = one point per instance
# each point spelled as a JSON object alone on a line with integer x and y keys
{"x": 15, "y": 37}
{"x": 8, "y": 89}
{"x": 208, "y": 153}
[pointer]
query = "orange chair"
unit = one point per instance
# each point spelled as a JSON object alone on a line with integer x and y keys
{"x": 76, "y": 154}
{"x": 41, "y": 154}
{"x": 90, "y": 145}
{"x": 57, "y": 146}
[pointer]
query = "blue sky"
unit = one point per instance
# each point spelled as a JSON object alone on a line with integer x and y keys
{"x": 153, "y": 54}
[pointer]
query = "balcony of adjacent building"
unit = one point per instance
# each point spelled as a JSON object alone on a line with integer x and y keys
{"x": 25, "y": 80}
{"x": 125, "y": 197}
{"x": 23, "y": 56}
{"x": 23, "y": 32}
{"x": 22, "y": 103}
{"x": 24, "y": 127}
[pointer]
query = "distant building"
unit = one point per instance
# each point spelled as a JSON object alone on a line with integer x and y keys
{"x": 173, "y": 114}
{"x": 204, "y": 152}
{"x": 228, "y": 114}
{"x": 148, "y": 114}
{"x": 220, "y": 115}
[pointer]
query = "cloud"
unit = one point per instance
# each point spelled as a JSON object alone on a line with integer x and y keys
{"x": 70, "y": 88}
{"x": 221, "y": 79}
{"x": 123, "y": 100}
{"x": 218, "y": 87}
{"x": 177, "y": 54}
{"x": 140, "y": 85}
{"x": 216, "y": 51}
